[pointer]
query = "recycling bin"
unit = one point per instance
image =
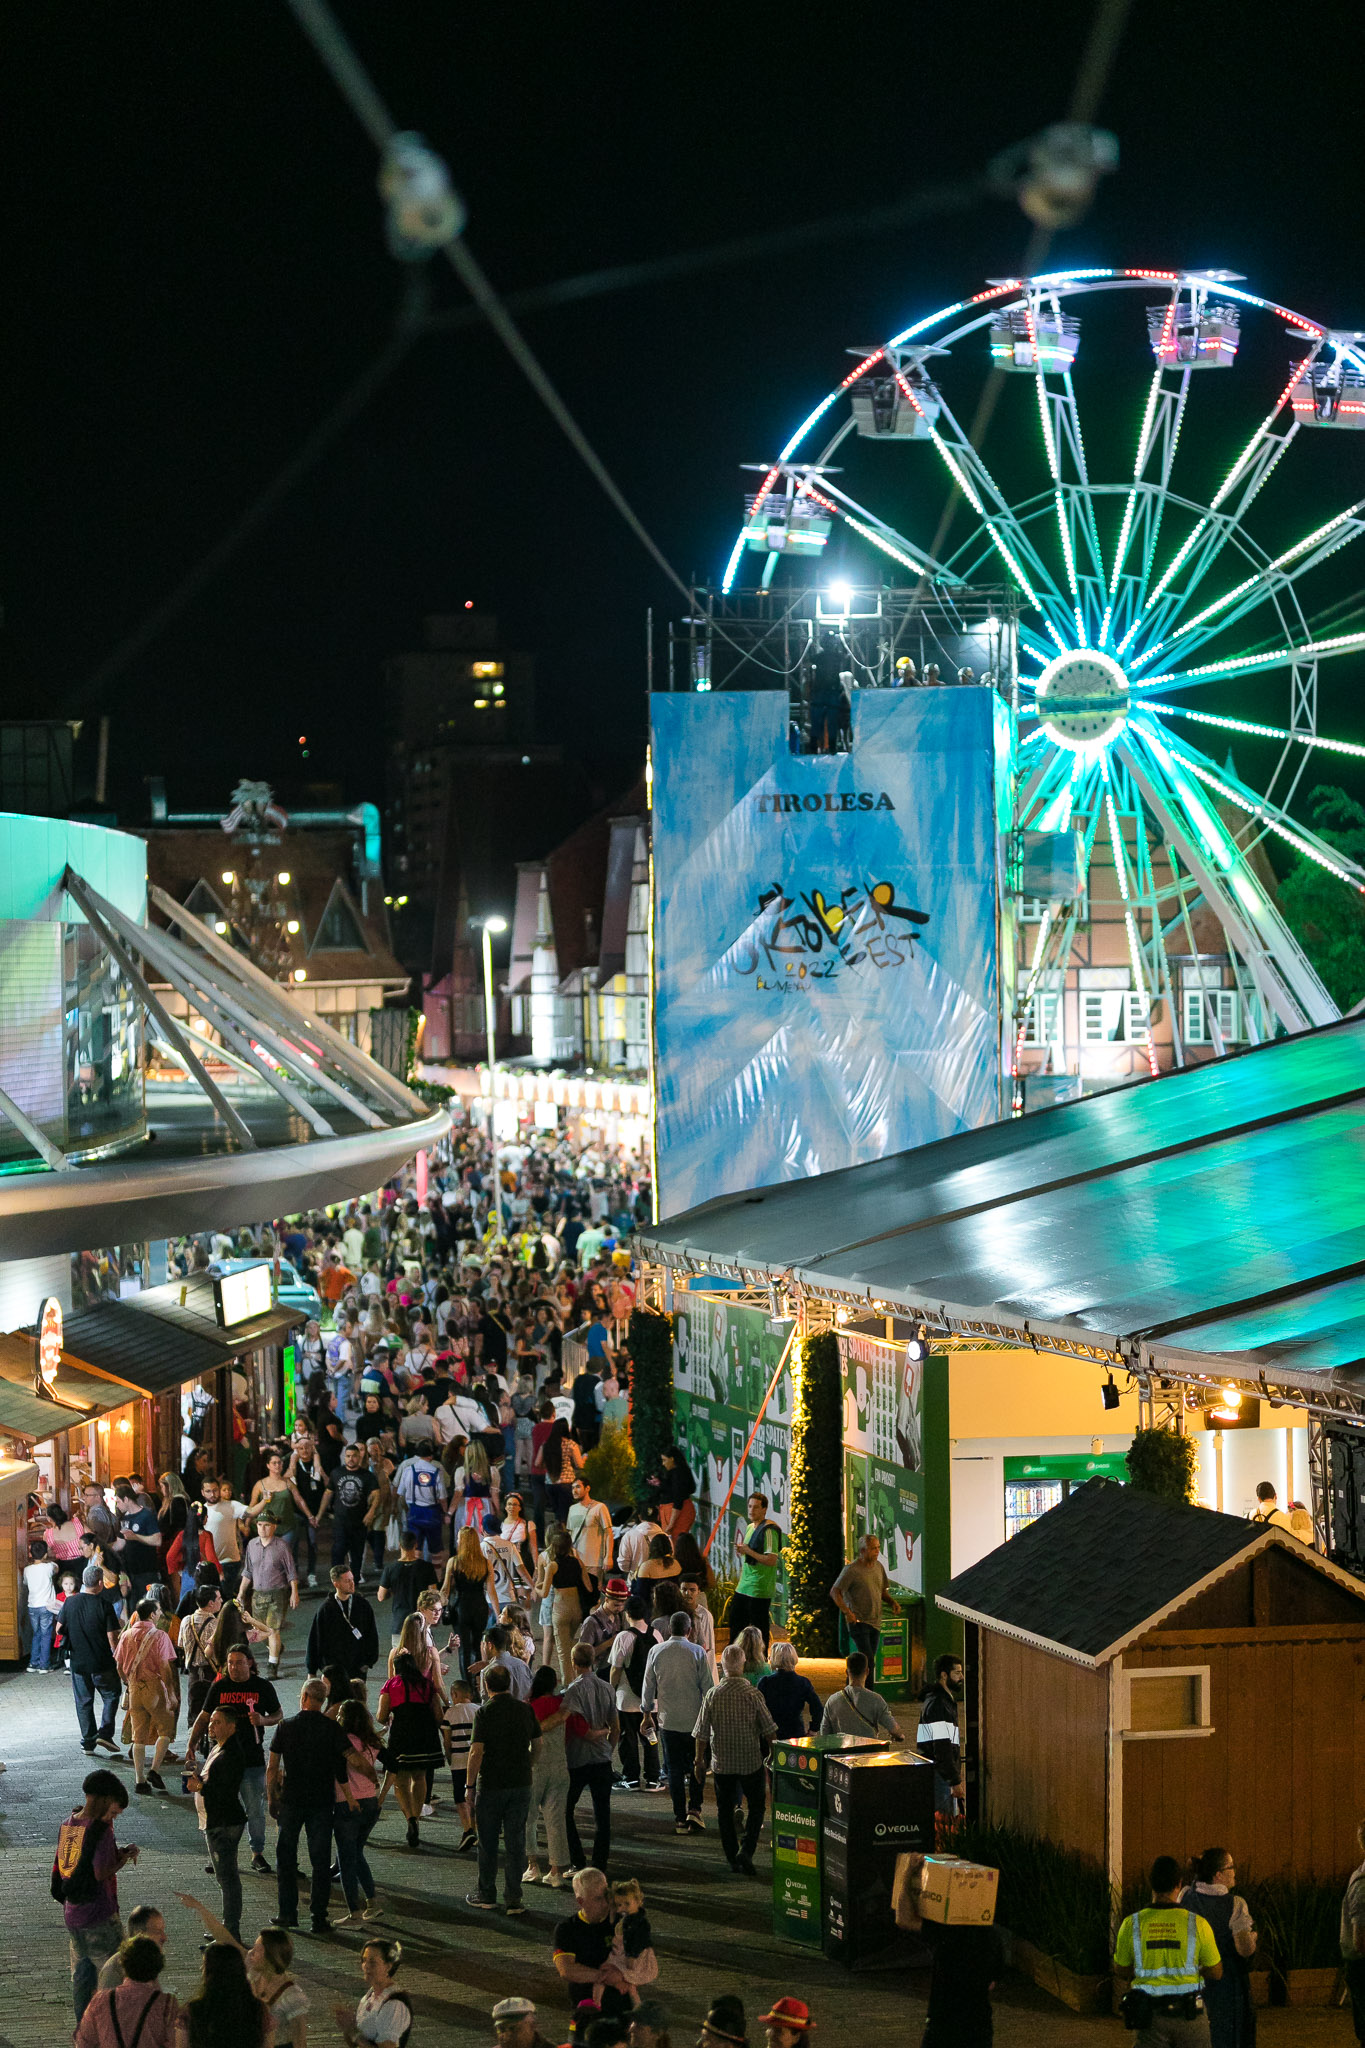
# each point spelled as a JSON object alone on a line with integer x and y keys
{"x": 892, "y": 1676}
{"x": 798, "y": 1781}
{"x": 873, "y": 1807}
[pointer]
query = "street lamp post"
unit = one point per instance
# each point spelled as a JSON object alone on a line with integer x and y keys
{"x": 490, "y": 1014}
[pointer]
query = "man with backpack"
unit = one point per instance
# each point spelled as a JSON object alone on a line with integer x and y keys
{"x": 628, "y": 1657}
{"x": 604, "y": 1624}
{"x": 85, "y": 1882}
{"x": 420, "y": 1484}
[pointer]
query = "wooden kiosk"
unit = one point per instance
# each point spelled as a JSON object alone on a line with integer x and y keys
{"x": 1151, "y": 1678}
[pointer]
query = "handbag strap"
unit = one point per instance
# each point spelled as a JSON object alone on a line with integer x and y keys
{"x": 848, "y": 1695}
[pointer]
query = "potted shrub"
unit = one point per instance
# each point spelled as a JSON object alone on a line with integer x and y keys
{"x": 1055, "y": 1904}
{"x": 1300, "y": 1919}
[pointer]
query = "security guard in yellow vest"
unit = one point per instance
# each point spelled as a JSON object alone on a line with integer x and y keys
{"x": 1165, "y": 1952}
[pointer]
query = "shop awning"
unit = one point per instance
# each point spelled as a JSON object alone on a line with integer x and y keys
{"x": 166, "y": 1336}
{"x": 1207, "y": 1224}
{"x": 81, "y": 1395}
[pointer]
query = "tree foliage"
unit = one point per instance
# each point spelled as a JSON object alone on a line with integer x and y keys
{"x": 815, "y": 1550}
{"x": 610, "y": 1467}
{"x": 1163, "y": 1463}
{"x": 651, "y": 1395}
{"x": 1325, "y": 914}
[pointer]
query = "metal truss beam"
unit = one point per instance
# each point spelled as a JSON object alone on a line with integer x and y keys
{"x": 49, "y": 1153}
{"x": 348, "y": 1058}
{"x": 94, "y": 907}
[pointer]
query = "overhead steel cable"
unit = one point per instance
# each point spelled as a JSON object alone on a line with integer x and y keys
{"x": 324, "y": 32}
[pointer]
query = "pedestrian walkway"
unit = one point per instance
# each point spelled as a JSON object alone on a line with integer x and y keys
{"x": 712, "y": 1931}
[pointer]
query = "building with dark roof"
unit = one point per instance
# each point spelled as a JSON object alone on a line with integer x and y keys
{"x": 1147, "y": 1678}
{"x": 325, "y": 927}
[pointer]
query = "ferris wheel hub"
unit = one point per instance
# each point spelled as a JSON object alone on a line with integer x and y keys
{"x": 1083, "y": 699}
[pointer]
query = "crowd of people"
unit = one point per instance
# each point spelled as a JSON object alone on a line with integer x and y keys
{"x": 480, "y": 1613}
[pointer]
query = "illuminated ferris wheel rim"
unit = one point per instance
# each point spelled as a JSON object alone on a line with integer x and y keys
{"x": 1102, "y": 748}
{"x": 1070, "y": 633}
{"x": 1062, "y": 283}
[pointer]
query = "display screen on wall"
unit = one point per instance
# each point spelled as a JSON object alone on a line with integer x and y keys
{"x": 240, "y": 1296}
{"x": 825, "y": 932}
{"x": 725, "y": 1357}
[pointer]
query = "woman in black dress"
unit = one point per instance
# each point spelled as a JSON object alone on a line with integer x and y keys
{"x": 470, "y": 1598}
{"x": 407, "y": 1714}
{"x": 1232, "y": 2016}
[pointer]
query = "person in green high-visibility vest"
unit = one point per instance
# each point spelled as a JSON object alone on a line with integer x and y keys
{"x": 1165, "y": 1953}
{"x": 760, "y": 1547}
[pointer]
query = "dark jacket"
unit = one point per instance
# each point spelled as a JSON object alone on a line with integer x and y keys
{"x": 937, "y": 1735}
{"x": 222, "y": 1776}
{"x": 344, "y": 1635}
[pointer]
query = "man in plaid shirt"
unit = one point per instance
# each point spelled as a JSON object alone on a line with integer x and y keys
{"x": 735, "y": 1724}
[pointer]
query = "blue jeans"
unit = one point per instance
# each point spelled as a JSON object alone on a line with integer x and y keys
{"x": 501, "y": 1812}
{"x": 43, "y": 1622}
{"x": 84, "y": 1685}
{"x": 223, "y": 1844}
{"x": 353, "y": 1830}
{"x": 316, "y": 1823}
{"x": 251, "y": 1792}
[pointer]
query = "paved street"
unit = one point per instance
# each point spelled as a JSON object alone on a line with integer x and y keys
{"x": 712, "y": 1931}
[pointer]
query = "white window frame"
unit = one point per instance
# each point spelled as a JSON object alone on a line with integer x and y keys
{"x": 1105, "y": 1004}
{"x": 1125, "y": 1703}
{"x": 1045, "y": 1018}
{"x": 1137, "y": 1013}
{"x": 1227, "y": 1008}
{"x": 1032, "y": 909}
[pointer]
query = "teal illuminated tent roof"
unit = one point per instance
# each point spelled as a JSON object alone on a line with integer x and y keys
{"x": 1208, "y": 1224}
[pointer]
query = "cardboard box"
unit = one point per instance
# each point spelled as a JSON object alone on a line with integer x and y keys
{"x": 957, "y": 1894}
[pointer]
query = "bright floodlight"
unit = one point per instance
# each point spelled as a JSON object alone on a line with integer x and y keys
{"x": 495, "y": 924}
{"x": 842, "y": 593}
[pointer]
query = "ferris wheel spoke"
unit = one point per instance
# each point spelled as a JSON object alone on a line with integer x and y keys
{"x": 1064, "y": 447}
{"x": 1041, "y": 790}
{"x": 1140, "y": 527}
{"x": 1307, "y": 740}
{"x": 1256, "y": 589}
{"x": 1284, "y": 981}
{"x": 837, "y": 502}
{"x": 1243, "y": 483}
{"x": 1268, "y": 815}
{"x": 1253, "y": 664}
{"x": 1008, "y": 537}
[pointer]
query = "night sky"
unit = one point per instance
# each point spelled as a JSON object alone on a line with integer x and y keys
{"x": 195, "y": 267}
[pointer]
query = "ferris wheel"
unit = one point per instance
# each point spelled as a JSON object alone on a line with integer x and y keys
{"x": 1133, "y": 592}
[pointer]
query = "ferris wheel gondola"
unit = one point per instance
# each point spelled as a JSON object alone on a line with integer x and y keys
{"x": 1125, "y": 612}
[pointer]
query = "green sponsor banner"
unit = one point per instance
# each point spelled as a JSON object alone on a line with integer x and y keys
{"x": 1038, "y": 1471}
{"x": 883, "y": 1455}
{"x": 726, "y": 1355}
